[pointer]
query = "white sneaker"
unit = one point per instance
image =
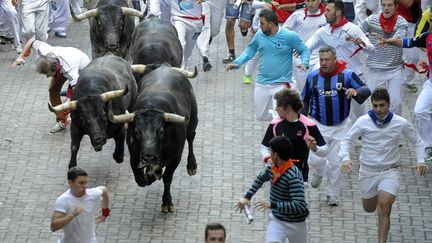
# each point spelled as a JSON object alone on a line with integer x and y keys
{"x": 333, "y": 201}
{"x": 18, "y": 49}
{"x": 316, "y": 181}
{"x": 58, "y": 127}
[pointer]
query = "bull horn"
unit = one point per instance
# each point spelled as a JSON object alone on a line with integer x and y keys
{"x": 113, "y": 94}
{"x": 131, "y": 11}
{"x": 124, "y": 118}
{"x": 67, "y": 105}
{"x": 138, "y": 68}
{"x": 170, "y": 117}
{"x": 85, "y": 15}
{"x": 187, "y": 73}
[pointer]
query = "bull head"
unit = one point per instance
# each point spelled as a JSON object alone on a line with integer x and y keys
{"x": 140, "y": 68}
{"x": 104, "y": 96}
{"x": 125, "y": 118}
{"x": 94, "y": 13}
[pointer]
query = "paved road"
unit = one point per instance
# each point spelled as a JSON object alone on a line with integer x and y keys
{"x": 33, "y": 165}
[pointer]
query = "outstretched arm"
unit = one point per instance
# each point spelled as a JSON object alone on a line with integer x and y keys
{"x": 24, "y": 53}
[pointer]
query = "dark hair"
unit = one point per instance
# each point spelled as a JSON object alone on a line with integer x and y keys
{"x": 339, "y": 5}
{"x": 289, "y": 97}
{"x": 74, "y": 172}
{"x": 394, "y": 1}
{"x": 380, "y": 93}
{"x": 46, "y": 65}
{"x": 270, "y": 16}
{"x": 214, "y": 226}
{"x": 282, "y": 146}
{"x": 328, "y": 49}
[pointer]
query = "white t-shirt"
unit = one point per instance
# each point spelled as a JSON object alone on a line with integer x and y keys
{"x": 71, "y": 59}
{"x": 81, "y": 228}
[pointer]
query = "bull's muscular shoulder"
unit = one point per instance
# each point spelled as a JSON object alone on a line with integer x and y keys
{"x": 121, "y": 3}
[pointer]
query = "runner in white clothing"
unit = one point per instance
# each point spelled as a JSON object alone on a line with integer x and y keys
{"x": 348, "y": 40}
{"x": 188, "y": 20}
{"x": 381, "y": 132}
{"x": 306, "y": 22}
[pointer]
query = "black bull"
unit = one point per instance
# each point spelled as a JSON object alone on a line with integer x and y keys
{"x": 165, "y": 115}
{"x": 155, "y": 41}
{"x": 111, "y": 26}
{"x": 105, "y": 85}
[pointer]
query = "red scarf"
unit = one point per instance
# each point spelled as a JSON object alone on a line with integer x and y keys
{"x": 341, "y": 23}
{"x": 388, "y": 24}
{"x": 340, "y": 66}
{"x": 279, "y": 171}
{"x": 321, "y": 11}
{"x": 58, "y": 71}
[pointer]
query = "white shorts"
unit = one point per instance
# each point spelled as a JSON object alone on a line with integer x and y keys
{"x": 279, "y": 231}
{"x": 371, "y": 182}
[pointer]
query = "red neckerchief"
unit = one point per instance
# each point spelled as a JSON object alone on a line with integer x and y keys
{"x": 388, "y": 24}
{"x": 321, "y": 11}
{"x": 341, "y": 23}
{"x": 58, "y": 71}
{"x": 279, "y": 171}
{"x": 340, "y": 66}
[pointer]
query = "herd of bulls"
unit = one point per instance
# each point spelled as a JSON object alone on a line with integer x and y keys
{"x": 151, "y": 103}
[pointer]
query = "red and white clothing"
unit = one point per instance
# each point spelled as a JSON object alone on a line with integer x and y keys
{"x": 305, "y": 24}
{"x": 81, "y": 228}
{"x": 71, "y": 59}
{"x": 345, "y": 50}
{"x": 188, "y": 20}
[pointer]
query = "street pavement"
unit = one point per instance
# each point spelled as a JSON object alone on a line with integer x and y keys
{"x": 33, "y": 166}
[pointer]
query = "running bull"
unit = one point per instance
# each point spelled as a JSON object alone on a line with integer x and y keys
{"x": 155, "y": 41}
{"x": 164, "y": 116}
{"x": 111, "y": 26}
{"x": 106, "y": 85}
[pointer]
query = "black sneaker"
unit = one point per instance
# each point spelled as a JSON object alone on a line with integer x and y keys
{"x": 206, "y": 64}
{"x": 244, "y": 32}
{"x": 228, "y": 59}
{"x": 7, "y": 40}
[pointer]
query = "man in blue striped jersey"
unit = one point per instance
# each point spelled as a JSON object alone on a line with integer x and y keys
{"x": 289, "y": 209}
{"x": 327, "y": 98}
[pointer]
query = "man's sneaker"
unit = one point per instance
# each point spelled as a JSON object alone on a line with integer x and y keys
{"x": 412, "y": 88}
{"x": 333, "y": 201}
{"x": 228, "y": 59}
{"x": 316, "y": 181}
{"x": 247, "y": 79}
{"x": 428, "y": 153}
{"x": 206, "y": 64}
{"x": 18, "y": 49}
{"x": 7, "y": 40}
{"x": 61, "y": 34}
{"x": 58, "y": 127}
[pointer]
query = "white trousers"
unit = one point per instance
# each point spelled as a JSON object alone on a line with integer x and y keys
{"x": 360, "y": 7}
{"x": 251, "y": 65}
{"x": 300, "y": 76}
{"x": 9, "y": 22}
{"x": 330, "y": 165}
{"x": 34, "y": 18}
{"x": 213, "y": 11}
{"x": 264, "y": 103}
{"x": 286, "y": 232}
{"x": 59, "y": 19}
{"x": 188, "y": 31}
{"x": 410, "y": 56}
{"x": 160, "y": 8}
{"x": 393, "y": 81}
{"x": 423, "y": 113}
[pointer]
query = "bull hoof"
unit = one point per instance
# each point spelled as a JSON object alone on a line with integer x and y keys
{"x": 192, "y": 172}
{"x": 118, "y": 158}
{"x": 168, "y": 209}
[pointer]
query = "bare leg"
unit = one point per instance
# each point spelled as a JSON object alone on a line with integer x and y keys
{"x": 385, "y": 202}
